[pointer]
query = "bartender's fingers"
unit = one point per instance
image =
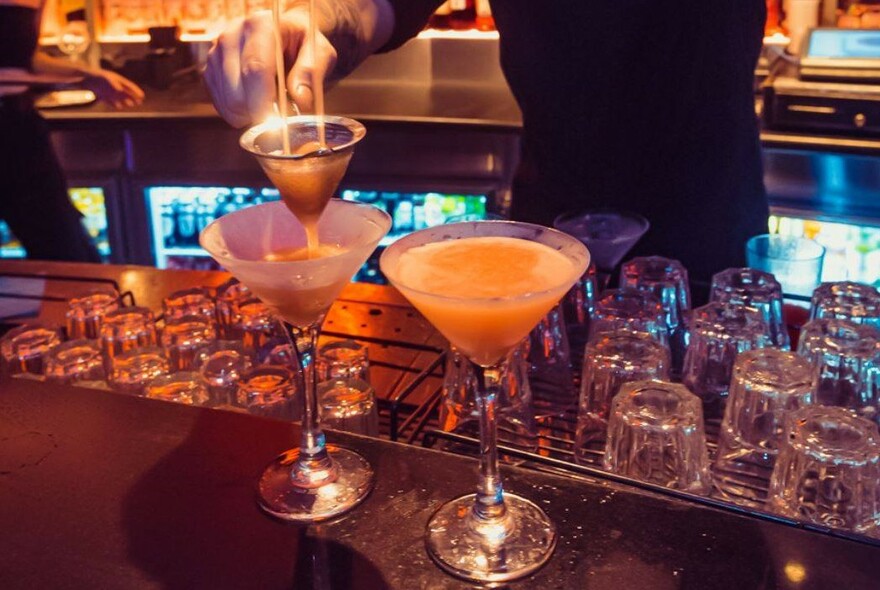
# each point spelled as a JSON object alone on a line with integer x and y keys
{"x": 223, "y": 76}
{"x": 258, "y": 65}
{"x": 133, "y": 94}
{"x": 306, "y": 71}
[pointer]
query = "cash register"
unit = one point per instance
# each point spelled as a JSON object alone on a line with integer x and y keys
{"x": 833, "y": 88}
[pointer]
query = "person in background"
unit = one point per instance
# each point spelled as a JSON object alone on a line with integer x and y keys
{"x": 34, "y": 200}
{"x": 644, "y": 105}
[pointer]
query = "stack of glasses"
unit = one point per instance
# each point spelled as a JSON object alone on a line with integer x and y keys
{"x": 221, "y": 350}
{"x": 797, "y": 431}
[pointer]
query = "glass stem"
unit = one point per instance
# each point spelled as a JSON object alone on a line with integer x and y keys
{"x": 314, "y": 465}
{"x": 490, "y": 492}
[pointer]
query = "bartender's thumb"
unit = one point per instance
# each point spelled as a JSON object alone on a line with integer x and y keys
{"x": 306, "y": 73}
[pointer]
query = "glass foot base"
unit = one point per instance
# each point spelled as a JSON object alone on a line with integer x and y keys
{"x": 494, "y": 556}
{"x": 279, "y": 497}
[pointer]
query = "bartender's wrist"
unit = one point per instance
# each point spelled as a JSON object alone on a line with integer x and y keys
{"x": 349, "y": 25}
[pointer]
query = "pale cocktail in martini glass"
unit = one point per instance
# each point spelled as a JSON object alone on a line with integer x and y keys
{"x": 297, "y": 265}
{"x": 485, "y": 285}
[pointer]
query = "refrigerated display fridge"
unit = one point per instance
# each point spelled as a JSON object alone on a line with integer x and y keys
{"x": 91, "y": 202}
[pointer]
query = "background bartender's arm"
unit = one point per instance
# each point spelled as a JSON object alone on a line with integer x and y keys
{"x": 107, "y": 86}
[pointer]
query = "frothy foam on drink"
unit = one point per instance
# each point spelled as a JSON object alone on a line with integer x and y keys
{"x": 483, "y": 267}
{"x": 297, "y": 254}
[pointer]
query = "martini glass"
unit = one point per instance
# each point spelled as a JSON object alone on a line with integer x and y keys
{"x": 484, "y": 285}
{"x": 609, "y": 234}
{"x": 265, "y": 247}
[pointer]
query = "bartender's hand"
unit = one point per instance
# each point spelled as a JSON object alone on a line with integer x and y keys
{"x": 117, "y": 91}
{"x": 241, "y": 74}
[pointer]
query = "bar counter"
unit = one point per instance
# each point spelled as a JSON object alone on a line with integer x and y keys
{"x": 447, "y": 103}
{"x": 101, "y": 490}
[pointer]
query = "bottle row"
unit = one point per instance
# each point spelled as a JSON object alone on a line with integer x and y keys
{"x": 793, "y": 17}
{"x": 119, "y": 18}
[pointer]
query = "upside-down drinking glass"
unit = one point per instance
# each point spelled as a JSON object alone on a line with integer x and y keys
{"x": 460, "y": 413}
{"x": 24, "y": 348}
{"x": 667, "y": 280}
{"x": 753, "y": 288}
{"x": 846, "y": 364}
{"x": 75, "y": 362}
{"x": 828, "y": 470}
{"x": 767, "y": 384}
{"x": 197, "y": 301}
{"x": 85, "y": 312}
{"x": 455, "y": 277}
{"x": 126, "y": 329}
{"x": 718, "y": 333}
{"x": 630, "y": 310}
{"x": 656, "y": 434}
{"x": 610, "y": 361}
{"x": 846, "y": 300}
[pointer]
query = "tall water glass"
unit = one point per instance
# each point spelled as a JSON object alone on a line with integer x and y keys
{"x": 609, "y": 362}
{"x": 718, "y": 333}
{"x": 86, "y": 312}
{"x": 757, "y": 289}
{"x": 846, "y": 364}
{"x": 845, "y": 300}
{"x": 828, "y": 470}
{"x": 767, "y": 384}
{"x": 667, "y": 280}
{"x": 795, "y": 262}
{"x": 631, "y": 310}
{"x": 656, "y": 434}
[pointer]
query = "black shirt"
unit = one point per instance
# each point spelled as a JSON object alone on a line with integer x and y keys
{"x": 644, "y": 105}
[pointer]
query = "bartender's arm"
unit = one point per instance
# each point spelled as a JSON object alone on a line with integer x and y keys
{"x": 241, "y": 73}
{"x": 108, "y": 86}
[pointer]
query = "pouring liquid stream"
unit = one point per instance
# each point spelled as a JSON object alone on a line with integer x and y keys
{"x": 279, "y": 67}
{"x": 302, "y": 195}
{"x": 317, "y": 81}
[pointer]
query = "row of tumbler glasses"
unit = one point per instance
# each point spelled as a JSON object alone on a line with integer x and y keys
{"x": 737, "y": 365}
{"x": 187, "y": 361}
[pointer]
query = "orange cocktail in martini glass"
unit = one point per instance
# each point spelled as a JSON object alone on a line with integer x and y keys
{"x": 296, "y": 256}
{"x": 485, "y": 285}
